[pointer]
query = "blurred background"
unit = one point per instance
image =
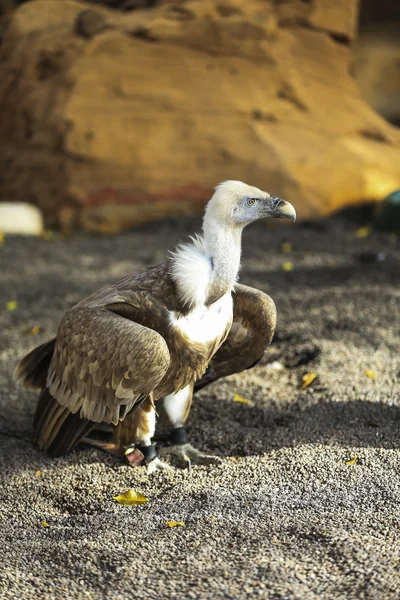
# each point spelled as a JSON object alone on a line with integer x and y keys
{"x": 118, "y": 112}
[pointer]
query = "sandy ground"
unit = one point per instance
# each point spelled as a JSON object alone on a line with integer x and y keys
{"x": 283, "y": 516}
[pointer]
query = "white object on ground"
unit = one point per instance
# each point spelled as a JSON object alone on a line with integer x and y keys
{"x": 276, "y": 365}
{"x": 20, "y": 218}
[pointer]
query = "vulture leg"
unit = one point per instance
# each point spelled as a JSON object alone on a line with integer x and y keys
{"x": 136, "y": 432}
{"x": 174, "y": 410}
{"x": 253, "y": 327}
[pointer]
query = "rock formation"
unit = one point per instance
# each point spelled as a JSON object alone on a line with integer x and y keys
{"x": 377, "y": 57}
{"x": 111, "y": 118}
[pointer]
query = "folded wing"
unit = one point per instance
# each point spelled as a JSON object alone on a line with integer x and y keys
{"x": 103, "y": 365}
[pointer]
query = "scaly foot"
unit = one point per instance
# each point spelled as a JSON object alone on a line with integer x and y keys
{"x": 189, "y": 455}
{"x": 157, "y": 465}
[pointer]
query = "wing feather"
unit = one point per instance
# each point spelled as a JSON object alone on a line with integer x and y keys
{"x": 103, "y": 362}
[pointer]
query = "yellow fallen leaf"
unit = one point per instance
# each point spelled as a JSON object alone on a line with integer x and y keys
{"x": 288, "y": 266}
{"x": 32, "y": 330}
{"x": 238, "y": 398}
{"x": 174, "y": 523}
{"x": 1, "y": 238}
{"x": 214, "y": 518}
{"x": 11, "y": 305}
{"x": 233, "y": 459}
{"x": 363, "y": 232}
{"x": 45, "y": 524}
{"x": 286, "y": 248}
{"x": 307, "y": 379}
{"x": 370, "y": 374}
{"x": 352, "y": 461}
{"x": 39, "y": 473}
{"x": 130, "y": 497}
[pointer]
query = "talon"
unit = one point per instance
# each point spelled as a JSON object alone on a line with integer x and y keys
{"x": 189, "y": 455}
{"x": 157, "y": 465}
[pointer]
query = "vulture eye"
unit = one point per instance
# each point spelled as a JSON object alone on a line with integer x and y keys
{"x": 251, "y": 201}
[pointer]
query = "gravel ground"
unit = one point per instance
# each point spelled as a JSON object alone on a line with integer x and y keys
{"x": 283, "y": 516}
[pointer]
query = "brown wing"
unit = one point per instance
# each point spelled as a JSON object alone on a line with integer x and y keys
{"x": 253, "y": 327}
{"x": 104, "y": 363}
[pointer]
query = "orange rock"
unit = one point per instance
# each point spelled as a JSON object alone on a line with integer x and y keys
{"x": 141, "y": 118}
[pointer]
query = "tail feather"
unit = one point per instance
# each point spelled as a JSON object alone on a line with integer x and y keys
{"x": 33, "y": 368}
{"x": 56, "y": 429}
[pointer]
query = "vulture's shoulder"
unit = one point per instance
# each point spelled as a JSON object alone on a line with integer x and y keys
{"x": 153, "y": 289}
{"x": 134, "y": 288}
{"x": 146, "y": 297}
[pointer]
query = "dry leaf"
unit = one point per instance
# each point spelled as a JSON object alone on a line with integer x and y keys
{"x": 39, "y": 473}
{"x": 11, "y": 305}
{"x": 45, "y": 524}
{"x": 130, "y": 497}
{"x": 363, "y": 232}
{"x": 174, "y": 523}
{"x": 288, "y": 266}
{"x": 32, "y": 330}
{"x": 238, "y": 398}
{"x": 286, "y": 248}
{"x": 307, "y": 379}
{"x": 1, "y": 238}
{"x": 370, "y": 374}
{"x": 352, "y": 461}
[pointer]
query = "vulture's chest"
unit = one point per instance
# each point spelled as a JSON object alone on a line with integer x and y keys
{"x": 192, "y": 340}
{"x": 205, "y": 324}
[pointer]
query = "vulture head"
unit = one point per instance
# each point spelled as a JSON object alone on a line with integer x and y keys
{"x": 237, "y": 204}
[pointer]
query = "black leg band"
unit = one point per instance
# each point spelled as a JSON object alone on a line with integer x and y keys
{"x": 149, "y": 453}
{"x": 177, "y": 436}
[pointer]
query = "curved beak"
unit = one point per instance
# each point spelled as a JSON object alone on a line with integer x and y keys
{"x": 285, "y": 210}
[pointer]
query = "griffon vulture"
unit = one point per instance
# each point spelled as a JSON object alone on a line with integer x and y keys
{"x": 144, "y": 343}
